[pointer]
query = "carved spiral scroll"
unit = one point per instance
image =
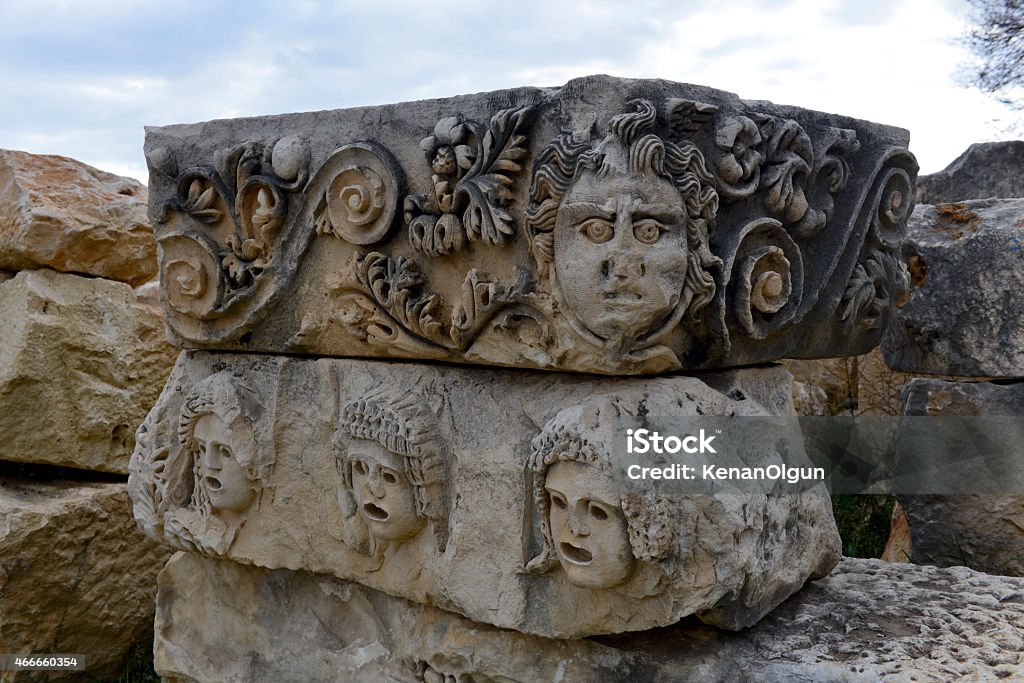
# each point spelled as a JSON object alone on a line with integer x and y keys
{"x": 895, "y": 202}
{"x": 190, "y": 276}
{"x": 362, "y": 196}
{"x": 767, "y": 278}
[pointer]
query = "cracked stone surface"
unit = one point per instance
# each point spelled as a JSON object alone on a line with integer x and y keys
{"x": 81, "y": 362}
{"x": 867, "y": 621}
{"x": 962, "y": 317}
{"x": 75, "y": 575}
{"x": 59, "y": 213}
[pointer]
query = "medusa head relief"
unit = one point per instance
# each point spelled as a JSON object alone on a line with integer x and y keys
{"x": 619, "y": 228}
{"x": 390, "y": 456}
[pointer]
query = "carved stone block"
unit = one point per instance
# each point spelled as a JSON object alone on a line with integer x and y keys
{"x": 81, "y": 361}
{"x": 500, "y": 495}
{"x": 963, "y": 315}
{"x": 608, "y": 226}
{"x": 221, "y": 622}
{"x": 59, "y": 213}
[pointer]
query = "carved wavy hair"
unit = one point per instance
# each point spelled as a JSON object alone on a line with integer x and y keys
{"x": 404, "y": 426}
{"x": 238, "y": 406}
{"x": 648, "y": 517}
{"x": 560, "y": 163}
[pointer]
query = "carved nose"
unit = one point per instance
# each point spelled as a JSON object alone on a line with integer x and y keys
{"x": 211, "y": 459}
{"x": 622, "y": 267}
{"x": 374, "y": 484}
{"x": 577, "y": 526}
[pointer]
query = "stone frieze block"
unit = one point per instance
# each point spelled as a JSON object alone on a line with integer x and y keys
{"x": 608, "y": 226}
{"x": 492, "y": 493}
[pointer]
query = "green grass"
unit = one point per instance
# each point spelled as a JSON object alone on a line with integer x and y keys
{"x": 863, "y": 522}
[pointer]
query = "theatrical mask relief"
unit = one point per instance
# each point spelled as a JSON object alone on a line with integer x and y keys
{"x": 510, "y": 508}
{"x": 608, "y": 226}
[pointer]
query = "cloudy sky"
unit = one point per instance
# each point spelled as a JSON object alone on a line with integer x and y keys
{"x": 82, "y": 77}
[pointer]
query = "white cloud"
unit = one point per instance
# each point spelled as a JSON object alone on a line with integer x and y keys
{"x": 83, "y": 78}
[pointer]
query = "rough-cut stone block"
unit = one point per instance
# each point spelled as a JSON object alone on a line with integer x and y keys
{"x": 610, "y": 226}
{"x": 984, "y": 531}
{"x": 963, "y": 316}
{"x": 500, "y": 495}
{"x": 59, "y": 213}
{"x": 81, "y": 362}
{"x": 983, "y": 171}
{"x": 76, "y": 576}
{"x": 222, "y": 622}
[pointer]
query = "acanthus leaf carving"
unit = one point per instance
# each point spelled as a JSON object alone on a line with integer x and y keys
{"x": 875, "y": 282}
{"x": 473, "y": 174}
{"x": 789, "y": 157}
{"x": 239, "y": 204}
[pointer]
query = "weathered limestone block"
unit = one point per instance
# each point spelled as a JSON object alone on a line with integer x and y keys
{"x": 500, "y": 495}
{"x": 978, "y": 521}
{"x": 75, "y": 575}
{"x": 868, "y": 621}
{"x": 609, "y": 226}
{"x": 59, "y": 213}
{"x": 963, "y": 316}
{"x": 984, "y": 170}
{"x": 81, "y": 362}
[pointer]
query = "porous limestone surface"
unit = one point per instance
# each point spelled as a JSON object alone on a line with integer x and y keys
{"x": 963, "y": 316}
{"x": 76, "y": 576}
{"x": 607, "y": 226}
{"x": 218, "y": 621}
{"x": 500, "y": 495}
{"x": 59, "y": 213}
{"x": 82, "y": 360}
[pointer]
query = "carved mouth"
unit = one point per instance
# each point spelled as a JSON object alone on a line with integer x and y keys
{"x": 621, "y": 297}
{"x": 213, "y": 484}
{"x": 575, "y": 554}
{"x": 374, "y": 512}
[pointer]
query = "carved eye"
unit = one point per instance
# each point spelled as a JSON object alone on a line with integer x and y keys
{"x": 598, "y": 512}
{"x": 648, "y": 231}
{"x": 359, "y": 467}
{"x": 558, "y": 501}
{"x": 389, "y": 477}
{"x": 596, "y": 230}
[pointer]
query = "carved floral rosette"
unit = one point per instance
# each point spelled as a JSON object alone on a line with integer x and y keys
{"x": 412, "y": 479}
{"x": 668, "y": 227}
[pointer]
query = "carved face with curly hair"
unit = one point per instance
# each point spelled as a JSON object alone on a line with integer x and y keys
{"x": 389, "y": 454}
{"x": 595, "y": 532}
{"x": 216, "y": 427}
{"x": 620, "y": 226}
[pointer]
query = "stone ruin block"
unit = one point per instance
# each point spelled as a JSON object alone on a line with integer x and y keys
{"x": 607, "y": 226}
{"x": 867, "y": 621}
{"x": 59, "y": 213}
{"x": 75, "y": 576}
{"x": 963, "y": 316}
{"x": 495, "y": 494}
{"x": 971, "y": 509}
{"x": 81, "y": 362}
